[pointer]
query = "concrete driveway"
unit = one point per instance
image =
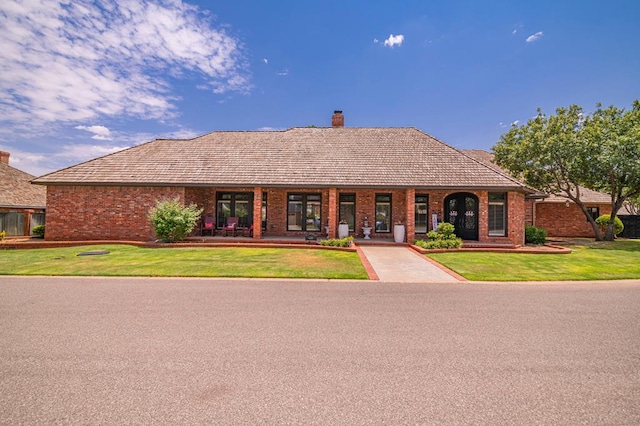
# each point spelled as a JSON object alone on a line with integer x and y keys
{"x": 203, "y": 351}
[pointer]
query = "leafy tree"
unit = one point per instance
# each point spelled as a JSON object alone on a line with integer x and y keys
{"x": 616, "y": 163}
{"x": 172, "y": 220}
{"x": 560, "y": 153}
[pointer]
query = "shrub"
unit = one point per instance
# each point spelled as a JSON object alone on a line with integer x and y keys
{"x": 38, "y": 231}
{"x": 604, "y": 220}
{"x": 534, "y": 235}
{"x": 172, "y": 220}
{"x": 2, "y": 235}
{"x": 338, "y": 242}
{"x": 443, "y": 237}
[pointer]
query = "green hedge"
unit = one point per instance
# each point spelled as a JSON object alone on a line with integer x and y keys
{"x": 534, "y": 235}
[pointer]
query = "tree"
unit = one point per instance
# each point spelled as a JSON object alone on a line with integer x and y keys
{"x": 172, "y": 220}
{"x": 560, "y": 153}
{"x": 547, "y": 154}
{"x": 616, "y": 164}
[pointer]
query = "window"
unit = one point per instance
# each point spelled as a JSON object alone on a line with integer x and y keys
{"x": 348, "y": 210}
{"x": 303, "y": 212}
{"x": 383, "y": 212}
{"x": 36, "y": 219}
{"x": 12, "y": 223}
{"x": 235, "y": 204}
{"x": 594, "y": 212}
{"x": 497, "y": 214}
{"x": 422, "y": 213}
{"x": 264, "y": 211}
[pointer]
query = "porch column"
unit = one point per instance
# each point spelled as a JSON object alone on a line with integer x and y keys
{"x": 333, "y": 210}
{"x": 410, "y": 220}
{"x": 257, "y": 213}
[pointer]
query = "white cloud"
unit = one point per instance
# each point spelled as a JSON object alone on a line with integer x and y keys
{"x": 72, "y": 61}
{"x": 375, "y": 40}
{"x": 283, "y": 73}
{"x": 265, "y": 60}
{"x": 515, "y": 123}
{"x": 394, "y": 40}
{"x": 99, "y": 132}
{"x": 534, "y": 37}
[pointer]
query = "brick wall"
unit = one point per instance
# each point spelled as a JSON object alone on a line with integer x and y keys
{"x": 120, "y": 213}
{"x": 562, "y": 221}
{"x": 103, "y": 212}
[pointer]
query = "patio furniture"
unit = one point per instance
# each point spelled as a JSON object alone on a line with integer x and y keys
{"x": 247, "y": 231}
{"x": 231, "y": 226}
{"x": 208, "y": 225}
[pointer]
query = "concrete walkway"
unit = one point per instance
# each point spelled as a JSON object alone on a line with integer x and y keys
{"x": 401, "y": 264}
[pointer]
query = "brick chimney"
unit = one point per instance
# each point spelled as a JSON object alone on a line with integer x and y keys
{"x": 4, "y": 157}
{"x": 337, "y": 120}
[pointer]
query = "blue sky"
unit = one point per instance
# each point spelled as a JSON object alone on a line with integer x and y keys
{"x": 80, "y": 79}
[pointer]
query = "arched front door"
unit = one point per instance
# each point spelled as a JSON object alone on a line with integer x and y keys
{"x": 461, "y": 210}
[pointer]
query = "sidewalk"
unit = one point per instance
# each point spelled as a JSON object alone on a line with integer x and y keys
{"x": 401, "y": 264}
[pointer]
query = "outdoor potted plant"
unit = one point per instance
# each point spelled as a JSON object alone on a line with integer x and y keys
{"x": 343, "y": 229}
{"x": 398, "y": 232}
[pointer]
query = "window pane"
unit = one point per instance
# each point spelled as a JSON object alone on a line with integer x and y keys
{"x": 313, "y": 215}
{"x": 347, "y": 211}
{"x": 383, "y": 213}
{"x": 421, "y": 215}
{"x": 497, "y": 214}
{"x": 294, "y": 216}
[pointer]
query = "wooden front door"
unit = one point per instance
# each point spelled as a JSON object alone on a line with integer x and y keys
{"x": 461, "y": 210}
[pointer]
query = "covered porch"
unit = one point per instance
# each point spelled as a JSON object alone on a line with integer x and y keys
{"x": 291, "y": 214}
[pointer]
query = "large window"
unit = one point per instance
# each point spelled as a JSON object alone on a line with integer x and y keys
{"x": 303, "y": 212}
{"x": 235, "y": 204}
{"x": 12, "y": 223}
{"x": 497, "y": 214}
{"x": 422, "y": 213}
{"x": 348, "y": 210}
{"x": 383, "y": 212}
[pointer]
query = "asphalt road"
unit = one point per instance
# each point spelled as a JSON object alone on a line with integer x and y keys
{"x": 199, "y": 351}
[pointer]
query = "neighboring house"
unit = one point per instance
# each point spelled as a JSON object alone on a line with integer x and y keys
{"x": 559, "y": 216}
{"x": 291, "y": 183}
{"x": 22, "y": 204}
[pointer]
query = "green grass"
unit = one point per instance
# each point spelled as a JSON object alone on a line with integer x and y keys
{"x": 589, "y": 261}
{"x": 125, "y": 260}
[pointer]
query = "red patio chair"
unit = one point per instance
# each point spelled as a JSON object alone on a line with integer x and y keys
{"x": 231, "y": 226}
{"x": 208, "y": 225}
{"x": 247, "y": 231}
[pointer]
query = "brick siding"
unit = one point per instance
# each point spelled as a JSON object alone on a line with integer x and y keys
{"x": 120, "y": 213}
{"x": 562, "y": 221}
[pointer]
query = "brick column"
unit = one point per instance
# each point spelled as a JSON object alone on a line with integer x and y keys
{"x": 333, "y": 212}
{"x": 257, "y": 213}
{"x": 410, "y": 220}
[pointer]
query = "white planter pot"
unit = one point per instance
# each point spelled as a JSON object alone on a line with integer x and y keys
{"x": 398, "y": 233}
{"x": 343, "y": 230}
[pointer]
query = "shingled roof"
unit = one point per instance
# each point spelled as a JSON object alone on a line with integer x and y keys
{"x": 16, "y": 191}
{"x": 298, "y": 157}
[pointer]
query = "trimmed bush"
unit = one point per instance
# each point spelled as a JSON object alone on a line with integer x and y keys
{"x": 443, "y": 237}
{"x": 534, "y": 235}
{"x": 172, "y": 220}
{"x": 338, "y": 242}
{"x": 38, "y": 231}
{"x": 604, "y": 220}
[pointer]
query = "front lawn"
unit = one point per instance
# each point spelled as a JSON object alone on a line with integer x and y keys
{"x": 125, "y": 260}
{"x": 589, "y": 261}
